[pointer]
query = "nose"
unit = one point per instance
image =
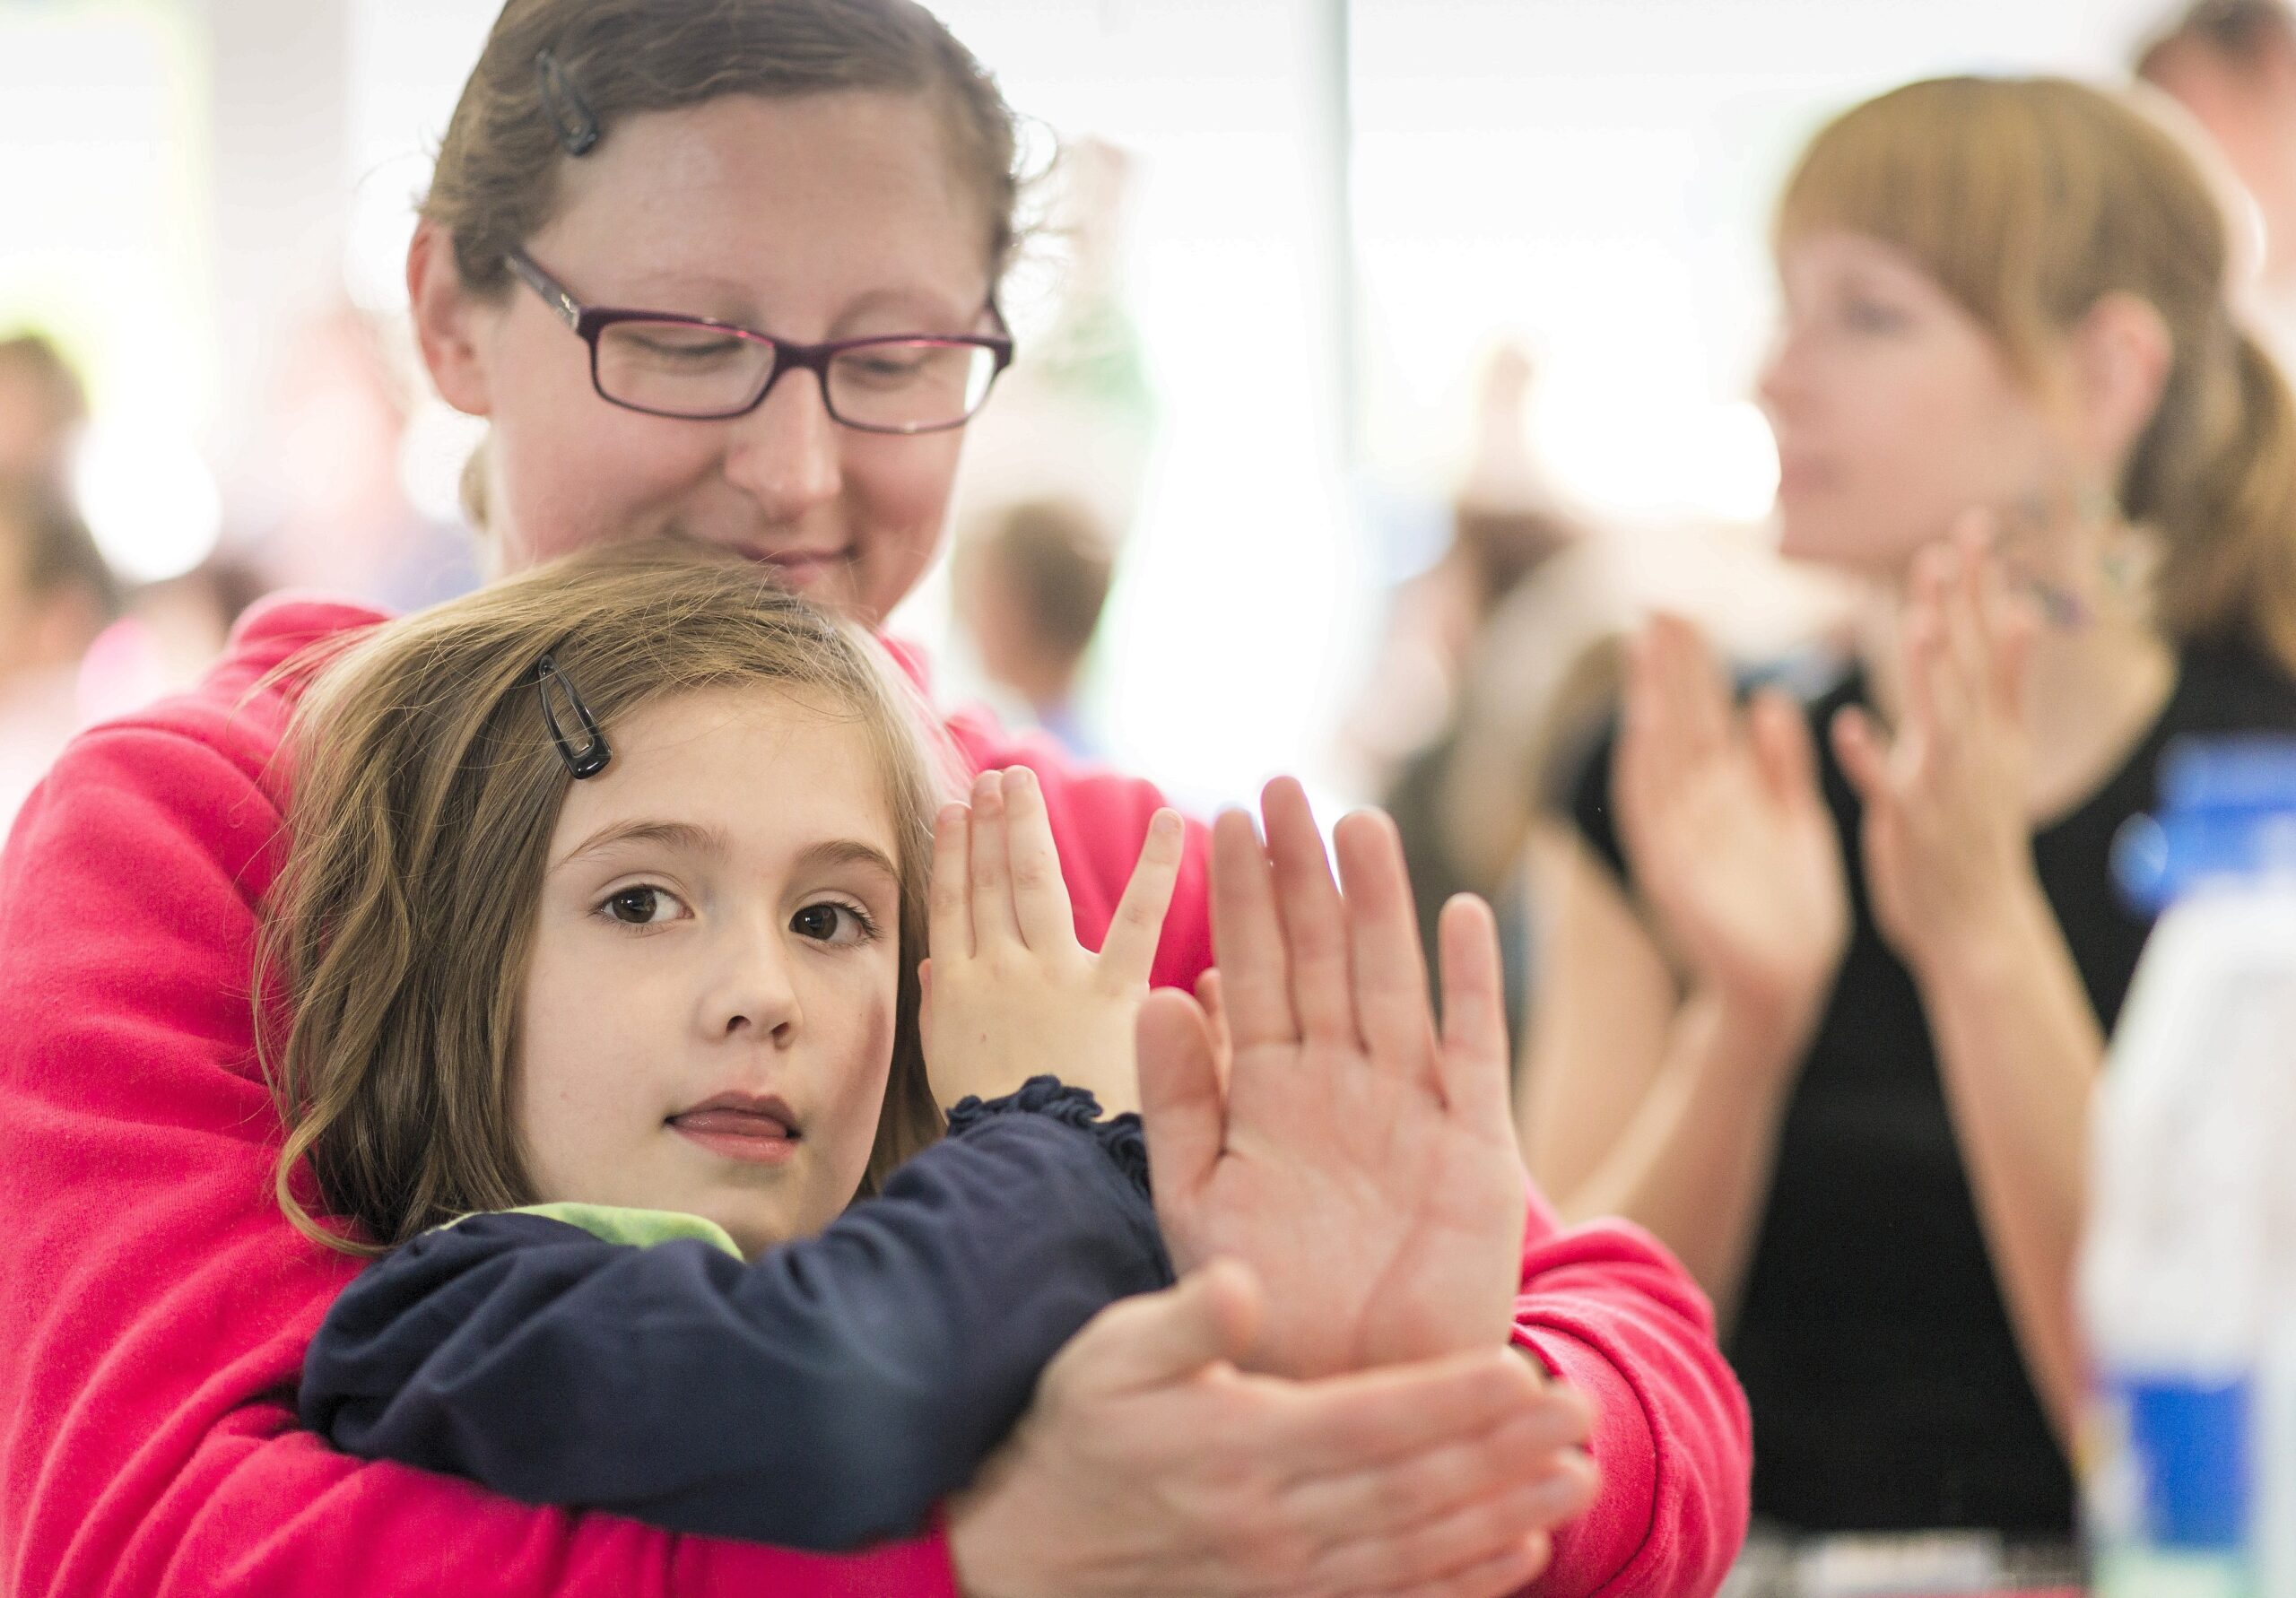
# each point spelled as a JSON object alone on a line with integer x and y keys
{"x": 784, "y": 453}
{"x": 751, "y": 994}
{"x": 1779, "y": 385}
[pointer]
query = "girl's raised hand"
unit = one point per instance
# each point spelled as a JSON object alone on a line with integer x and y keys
{"x": 1322, "y": 1130}
{"x": 1731, "y": 842}
{"x": 1009, "y": 992}
{"x": 1947, "y": 837}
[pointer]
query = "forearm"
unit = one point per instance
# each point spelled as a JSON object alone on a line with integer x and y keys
{"x": 1692, "y": 1165}
{"x": 828, "y": 1395}
{"x": 2020, "y": 1048}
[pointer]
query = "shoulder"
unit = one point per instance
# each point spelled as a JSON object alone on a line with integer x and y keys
{"x": 2230, "y": 687}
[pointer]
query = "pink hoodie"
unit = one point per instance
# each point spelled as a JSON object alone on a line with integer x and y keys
{"x": 154, "y": 1304}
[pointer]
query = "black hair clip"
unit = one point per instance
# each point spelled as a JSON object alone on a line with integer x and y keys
{"x": 571, "y": 116}
{"x": 589, "y": 759}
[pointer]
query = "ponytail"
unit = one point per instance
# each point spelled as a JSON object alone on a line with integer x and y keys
{"x": 2214, "y": 477}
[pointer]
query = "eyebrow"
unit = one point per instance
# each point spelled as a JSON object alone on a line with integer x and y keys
{"x": 731, "y": 302}
{"x": 849, "y": 851}
{"x": 675, "y": 835}
{"x": 711, "y": 843}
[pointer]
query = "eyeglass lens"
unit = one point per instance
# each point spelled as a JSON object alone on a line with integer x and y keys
{"x": 895, "y": 385}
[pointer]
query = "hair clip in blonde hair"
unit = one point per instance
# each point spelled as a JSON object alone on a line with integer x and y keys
{"x": 571, "y": 116}
{"x": 592, "y": 757}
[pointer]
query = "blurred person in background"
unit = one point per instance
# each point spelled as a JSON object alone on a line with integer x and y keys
{"x": 1482, "y": 670}
{"x": 1832, "y": 980}
{"x": 2231, "y": 64}
{"x": 726, "y": 270}
{"x": 57, "y": 594}
{"x": 1030, "y": 587}
{"x": 1505, "y": 520}
{"x": 43, "y": 406}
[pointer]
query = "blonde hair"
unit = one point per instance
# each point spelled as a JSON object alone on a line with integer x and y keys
{"x": 425, "y": 788}
{"x": 2029, "y": 200}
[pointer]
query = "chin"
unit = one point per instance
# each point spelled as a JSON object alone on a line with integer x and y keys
{"x": 1838, "y": 544}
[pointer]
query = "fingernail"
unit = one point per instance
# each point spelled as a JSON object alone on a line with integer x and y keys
{"x": 1559, "y": 1495}
{"x": 951, "y": 813}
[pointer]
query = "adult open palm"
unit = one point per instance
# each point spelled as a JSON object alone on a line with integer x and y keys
{"x": 1318, "y": 1127}
{"x": 1732, "y": 844}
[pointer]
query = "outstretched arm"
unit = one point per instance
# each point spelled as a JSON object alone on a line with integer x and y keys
{"x": 828, "y": 1395}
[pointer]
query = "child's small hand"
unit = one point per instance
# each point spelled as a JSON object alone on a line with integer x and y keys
{"x": 1009, "y": 992}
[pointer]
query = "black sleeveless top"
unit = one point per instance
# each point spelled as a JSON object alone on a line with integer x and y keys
{"x": 1887, "y": 1390}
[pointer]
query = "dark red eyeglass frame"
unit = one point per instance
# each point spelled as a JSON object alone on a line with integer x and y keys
{"x": 588, "y": 321}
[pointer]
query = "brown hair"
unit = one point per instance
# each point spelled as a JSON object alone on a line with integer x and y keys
{"x": 2029, "y": 200}
{"x": 496, "y": 180}
{"x": 425, "y": 790}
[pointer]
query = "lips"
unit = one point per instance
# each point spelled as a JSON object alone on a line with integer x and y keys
{"x": 742, "y": 1127}
{"x": 799, "y": 567}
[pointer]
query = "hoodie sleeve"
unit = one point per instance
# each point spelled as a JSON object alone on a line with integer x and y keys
{"x": 828, "y": 1395}
{"x": 1608, "y": 1310}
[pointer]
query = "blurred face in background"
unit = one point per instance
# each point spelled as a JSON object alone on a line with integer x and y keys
{"x": 1894, "y": 410}
{"x": 2246, "y": 105}
{"x": 40, "y": 417}
{"x": 818, "y": 217}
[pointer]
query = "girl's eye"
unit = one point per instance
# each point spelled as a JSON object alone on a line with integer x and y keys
{"x": 641, "y": 905}
{"x": 831, "y": 923}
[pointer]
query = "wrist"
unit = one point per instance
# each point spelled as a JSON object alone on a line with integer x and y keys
{"x": 1119, "y": 1133}
{"x": 1992, "y": 945}
{"x": 1757, "y": 1035}
{"x": 971, "y": 1539}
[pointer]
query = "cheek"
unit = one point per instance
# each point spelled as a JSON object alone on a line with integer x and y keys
{"x": 1913, "y": 443}
{"x": 581, "y": 1092}
{"x": 899, "y": 489}
{"x": 864, "y": 1061}
{"x": 571, "y": 470}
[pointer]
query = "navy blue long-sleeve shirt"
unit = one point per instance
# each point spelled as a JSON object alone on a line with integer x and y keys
{"x": 826, "y": 1395}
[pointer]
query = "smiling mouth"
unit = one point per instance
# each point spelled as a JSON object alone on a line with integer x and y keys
{"x": 800, "y": 564}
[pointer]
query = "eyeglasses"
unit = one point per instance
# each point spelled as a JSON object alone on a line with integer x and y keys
{"x": 706, "y": 370}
